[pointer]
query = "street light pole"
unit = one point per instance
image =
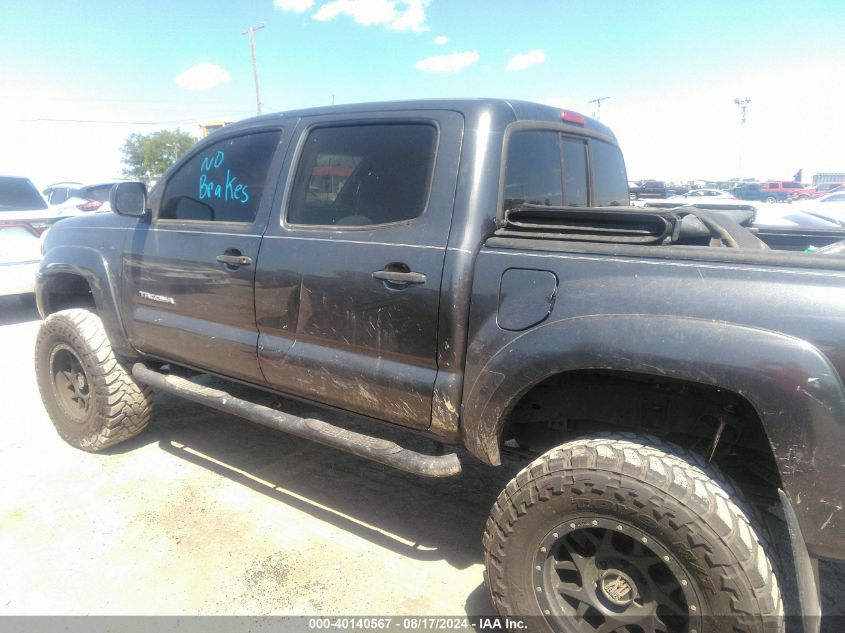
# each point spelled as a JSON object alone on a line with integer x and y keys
{"x": 251, "y": 32}
{"x": 743, "y": 107}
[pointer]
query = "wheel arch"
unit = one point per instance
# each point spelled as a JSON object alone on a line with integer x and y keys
{"x": 80, "y": 277}
{"x": 789, "y": 384}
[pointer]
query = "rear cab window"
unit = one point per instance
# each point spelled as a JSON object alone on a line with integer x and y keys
{"x": 553, "y": 169}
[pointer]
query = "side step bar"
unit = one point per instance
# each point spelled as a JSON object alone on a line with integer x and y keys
{"x": 366, "y": 446}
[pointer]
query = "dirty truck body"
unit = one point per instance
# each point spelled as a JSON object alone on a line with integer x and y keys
{"x": 439, "y": 309}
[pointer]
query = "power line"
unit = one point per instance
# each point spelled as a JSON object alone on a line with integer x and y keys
{"x": 40, "y": 120}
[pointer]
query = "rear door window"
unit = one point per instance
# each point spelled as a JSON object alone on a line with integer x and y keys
{"x": 222, "y": 183}
{"x": 363, "y": 175}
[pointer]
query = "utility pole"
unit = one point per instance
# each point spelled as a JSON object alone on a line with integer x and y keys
{"x": 597, "y": 111}
{"x": 251, "y": 32}
{"x": 743, "y": 107}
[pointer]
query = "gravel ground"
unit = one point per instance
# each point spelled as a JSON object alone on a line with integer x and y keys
{"x": 206, "y": 514}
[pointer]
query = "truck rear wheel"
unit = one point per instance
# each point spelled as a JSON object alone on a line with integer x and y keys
{"x": 90, "y": 397}
{"x": 603, "y": 533}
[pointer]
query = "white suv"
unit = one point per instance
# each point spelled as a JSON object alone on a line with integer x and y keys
{"x": 24, "y": 216}
{"x": 73, "y": 198}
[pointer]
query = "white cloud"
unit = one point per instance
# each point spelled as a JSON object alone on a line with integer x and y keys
{"x": 399, "y": 15}
{"x": 451, "y": 63}
{"x": 441, "y": 40}
{"x": 203, "y": 77}
{"x": 412, "y": 18}
{"x": 296, "y": 6}
{"x": 526, "y": 60}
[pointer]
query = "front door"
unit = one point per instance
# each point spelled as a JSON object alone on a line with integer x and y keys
{"x": 348, "y": 287}
{"x": 190, "y": 273}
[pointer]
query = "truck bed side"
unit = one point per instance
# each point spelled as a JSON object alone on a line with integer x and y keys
{"x": 774, "y": 336}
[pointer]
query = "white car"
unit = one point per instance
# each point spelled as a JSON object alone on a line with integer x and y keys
{"x": 701, "y": 195}
{"x": 24, "y": 216}
{"x": 830, "y": 207}
{"x": 73, "y": 198}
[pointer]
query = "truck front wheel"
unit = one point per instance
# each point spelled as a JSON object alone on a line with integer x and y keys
{"x": 90, "y": 397}
{"x": 628, "y": 533}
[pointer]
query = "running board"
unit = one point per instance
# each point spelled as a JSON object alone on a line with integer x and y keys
{"x": 366, "y": 446}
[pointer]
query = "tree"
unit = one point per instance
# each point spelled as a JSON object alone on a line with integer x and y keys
{"x": 147, "y": 156}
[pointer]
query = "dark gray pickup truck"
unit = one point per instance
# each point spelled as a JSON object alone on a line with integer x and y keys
{"x": 470, "y": 270}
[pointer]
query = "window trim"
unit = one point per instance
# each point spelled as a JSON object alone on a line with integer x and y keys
{"x": 296, "y": 160}
{"x": 201, "y": 147}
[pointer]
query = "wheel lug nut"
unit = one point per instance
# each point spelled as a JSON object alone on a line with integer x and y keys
{"x": 543, "y": 549}
{"x": 595, "y": 522}
{"x": 538, "y": 568}
{"x": 684, "y": 583}
{"x": 692, "y": 607}
{"x": 666, "y": 558}
{"x": 539, "y": 590}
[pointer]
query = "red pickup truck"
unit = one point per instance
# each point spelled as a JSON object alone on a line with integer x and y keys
{"x": 817, "y": 191}
{"x": 779, "y": 190}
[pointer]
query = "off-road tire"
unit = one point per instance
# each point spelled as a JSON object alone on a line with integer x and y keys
{"x": 666, "y": 494}
{"x": 117, "y": 408}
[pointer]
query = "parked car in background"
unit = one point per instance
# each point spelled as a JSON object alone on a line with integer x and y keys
{"x": 59, "y": 192}
{"x": 817, "y": 191}
{"x": 748, "y": 191}
{"x": 780, "y": 191}
{"x": 695, "y": 195}
{"x": 768, "y": 190}
{"x": 829, "y": 207}
{"x": 70, "y": 199}
{"x": 778, "y": 215}
{"x": 649, "y": 189}
{"x": 24, "y": 216}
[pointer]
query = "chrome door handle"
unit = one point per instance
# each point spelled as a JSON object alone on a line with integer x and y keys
{"x": 234, "y": 260}
{"x": 399, "y": 278}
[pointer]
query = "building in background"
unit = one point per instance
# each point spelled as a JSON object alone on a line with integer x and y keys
{"x": 827, "y": 177}
{"x": 208, "y": 127}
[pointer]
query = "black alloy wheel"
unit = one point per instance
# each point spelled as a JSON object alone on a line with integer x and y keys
{"x": 601, "y": 575}
{"x": 71, "y": 385}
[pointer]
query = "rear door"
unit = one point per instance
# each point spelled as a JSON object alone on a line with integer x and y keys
{"x": 189, "y": 273}
{"x": 348, "y": 287}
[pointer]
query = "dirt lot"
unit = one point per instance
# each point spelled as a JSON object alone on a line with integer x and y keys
{"x": 207, "y": 514}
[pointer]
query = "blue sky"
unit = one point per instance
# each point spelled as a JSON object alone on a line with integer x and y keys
{"x": 78, "y": 77}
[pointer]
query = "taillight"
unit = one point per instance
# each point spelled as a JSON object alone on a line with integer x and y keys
{"x": 36, "y": 228}
{"x": 573, "y": 117}
{"x": 39, "y": 227}
{"x": 89, "y": 205}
